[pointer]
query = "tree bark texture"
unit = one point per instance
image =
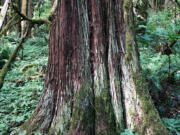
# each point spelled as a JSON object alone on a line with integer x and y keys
{"x": 18, "y": 26}
{"x": 29, "y": 12}
{"x": 93, "y": 83}
{"x": 23, "y": 11}
{"x": 3, "y": 12}
{"x": 30, "y": 9}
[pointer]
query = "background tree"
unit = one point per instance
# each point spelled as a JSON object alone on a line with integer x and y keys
{"x": 23, "y": 11}
{"x": 3, "y": 12}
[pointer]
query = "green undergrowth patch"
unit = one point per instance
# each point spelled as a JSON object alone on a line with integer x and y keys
{"x": 128, "y": 132}
{"x": 173, "y": 125}
{"x": 23, "y": 85}
{"x": 161, "y": 65}
{"x": 7, "y": 45}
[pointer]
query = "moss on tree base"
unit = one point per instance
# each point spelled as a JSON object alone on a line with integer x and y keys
{"x": 151, "y": 117}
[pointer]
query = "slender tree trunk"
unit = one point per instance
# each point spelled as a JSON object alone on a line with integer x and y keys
{"x": 29, "y": 11}
{"x": 3, "y": 12}
{"x": 18, "y": 26}
{"x": 23, "y": 10}
{"x": 93, "y": 82}
{"x": 166, "y": 4}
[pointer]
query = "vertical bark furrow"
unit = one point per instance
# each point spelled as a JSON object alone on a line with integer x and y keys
{"x": 114, "y": 68}
{"x": 120, "y": 25}
{"x": 65, "y": 86}
{"x": 105, "y": 119}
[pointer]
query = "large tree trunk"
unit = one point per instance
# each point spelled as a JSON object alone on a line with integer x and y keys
{"x": 93, "y": 82}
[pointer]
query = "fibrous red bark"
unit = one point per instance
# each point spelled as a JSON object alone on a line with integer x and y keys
{"x": 91, "y": 82}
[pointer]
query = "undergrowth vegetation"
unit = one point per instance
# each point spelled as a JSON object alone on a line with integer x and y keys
{"x": 23, "y": 84}
{"x": 161, "y": 65}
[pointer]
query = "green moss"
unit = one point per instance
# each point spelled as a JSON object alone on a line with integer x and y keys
{"x": 83, "y": 112}
{"x": 28, "y": 128}
{"x": 105, "y": 115}
{"x": 127, "y": 4}
{"x": 129, "y": 35}
{"x": 94, "y": 114}
{"x": 128, "y": 55}
{"x": 151, "y": 116}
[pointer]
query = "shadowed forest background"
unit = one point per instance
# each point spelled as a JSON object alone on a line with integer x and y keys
{"x": 157, "y": 35}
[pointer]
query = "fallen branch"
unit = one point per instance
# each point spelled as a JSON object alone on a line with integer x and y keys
{"x": 40, "y": 21}
{"x": 36, "y": 76}
{"x": 3, "y": 12}
{"x": 22, "y": 81}
{"x": 12, "y": 57}
{"x": 33, "y": 21}
{"x": 27, "y": 77}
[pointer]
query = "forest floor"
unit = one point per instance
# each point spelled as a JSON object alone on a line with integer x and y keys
{"x": 22, "y": 87}
{"x": 24, "y": 82}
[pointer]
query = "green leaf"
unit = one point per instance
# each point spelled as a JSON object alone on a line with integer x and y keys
{"x": 20, "y": 118}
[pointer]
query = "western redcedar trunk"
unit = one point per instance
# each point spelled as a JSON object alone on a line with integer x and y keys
{"x": 93, "y": 82}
